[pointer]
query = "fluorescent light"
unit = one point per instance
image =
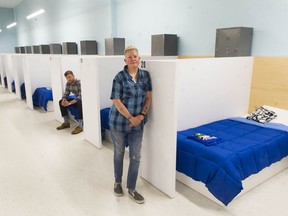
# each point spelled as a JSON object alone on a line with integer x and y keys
{"x": 11, "y": 25}
{"x": 35, "y": 14}
{"x": 0, "y": 30}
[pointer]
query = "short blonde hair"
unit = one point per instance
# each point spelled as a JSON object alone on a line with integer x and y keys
{"x": 129, "y": 48}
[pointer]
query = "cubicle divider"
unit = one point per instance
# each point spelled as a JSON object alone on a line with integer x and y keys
{"x": 59, "y": 64}
{"x": 188, "y": 93}
{"x": 97, "y": 76}
{"x": 8, "y": 69}
{"x": 2, "y": 73}
{"x": 36, "y": 74}
{"x": 18, "y": 72}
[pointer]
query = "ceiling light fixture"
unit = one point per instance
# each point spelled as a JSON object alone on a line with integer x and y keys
{"x": 37, "y": 13}
{"x": 0, "y": 30}
{"x": 11, "y": 25}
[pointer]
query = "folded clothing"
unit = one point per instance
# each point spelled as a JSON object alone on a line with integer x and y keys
{"x": 205, "y": 139}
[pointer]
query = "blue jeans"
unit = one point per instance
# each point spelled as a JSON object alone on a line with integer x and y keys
{"x": 134, "y": 139}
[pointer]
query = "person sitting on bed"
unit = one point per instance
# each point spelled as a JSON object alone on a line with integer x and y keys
{"x": 132, "y": 97}
{"x": 73, "y": 86}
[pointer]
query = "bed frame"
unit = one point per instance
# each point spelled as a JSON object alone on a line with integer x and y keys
{"x": 268, "y": 72}
{"x": 248, "y": 184}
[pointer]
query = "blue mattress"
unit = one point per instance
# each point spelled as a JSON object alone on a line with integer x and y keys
{"x": 41, "y": 96}
{"x": 23, "y": 91}
{"x": 245, "y": 149}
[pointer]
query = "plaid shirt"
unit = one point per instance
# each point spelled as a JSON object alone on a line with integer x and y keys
{"x": 132, "y": 95}
{"x": 74, "y": 88}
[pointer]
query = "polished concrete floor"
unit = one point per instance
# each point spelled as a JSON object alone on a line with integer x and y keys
{"x": 44, "y": 172}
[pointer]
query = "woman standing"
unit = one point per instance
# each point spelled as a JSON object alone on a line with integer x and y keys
{"x": 132, "y": 97}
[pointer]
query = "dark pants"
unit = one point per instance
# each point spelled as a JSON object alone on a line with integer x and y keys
{"x": 78, "y": 105}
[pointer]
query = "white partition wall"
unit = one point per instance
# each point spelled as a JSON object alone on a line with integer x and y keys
{"x": 212, "y": 89}
{"x": 59, "y": 64}
{"x": 18, "y": 72}
{"x": 2, "y": 72}
{"x": 97, "y": 75}
{"x": 36, "y": 74}
{"x": 158, "y": 148}
{"x": 8, "y": 68}
{"x": 188, "y": 93}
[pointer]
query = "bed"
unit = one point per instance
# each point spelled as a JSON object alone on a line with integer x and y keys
{"x": 245, "y": 148}
{"x": 42, "y": 97}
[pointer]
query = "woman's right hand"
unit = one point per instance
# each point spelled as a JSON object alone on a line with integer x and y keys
{"x": 135, "y": 121}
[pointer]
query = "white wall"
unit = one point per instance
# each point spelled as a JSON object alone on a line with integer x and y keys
{"x": 212, "y": 89}
{"x": 8, "y": 37}
{"x": 196, "y": 22}
{"x": 64, "y": 21}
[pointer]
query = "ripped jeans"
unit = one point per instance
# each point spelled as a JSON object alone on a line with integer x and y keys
{"x": 134, "y": 140}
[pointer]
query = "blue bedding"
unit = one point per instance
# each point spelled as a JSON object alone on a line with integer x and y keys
{"x": 5, "y": 82}
{"x": 23, "y": 91}
{"x": 104, "y": 113}
{"x": 13, "y": 87}
{"x": 73, "y": 110}
{"x": 41, "y": 96}
{"x": 246, "y": 148}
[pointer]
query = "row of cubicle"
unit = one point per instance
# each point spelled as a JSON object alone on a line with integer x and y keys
{"x": 186, "y": 93}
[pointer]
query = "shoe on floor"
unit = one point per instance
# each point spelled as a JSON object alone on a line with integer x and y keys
{"x": 118, "y": 191}
{"x": 77, "y": 130}
{"x": 63, "y": 126}
{"x": 136, "y": 197}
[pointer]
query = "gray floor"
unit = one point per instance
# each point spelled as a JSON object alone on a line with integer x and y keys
{"x": 48, "y": 172}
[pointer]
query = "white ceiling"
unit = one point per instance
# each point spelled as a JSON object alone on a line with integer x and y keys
{"x": 9, "y": 3}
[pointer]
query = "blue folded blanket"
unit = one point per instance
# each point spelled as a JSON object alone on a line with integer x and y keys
{"x": 73, "y": 110}
{"x": 41, "y": 97}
